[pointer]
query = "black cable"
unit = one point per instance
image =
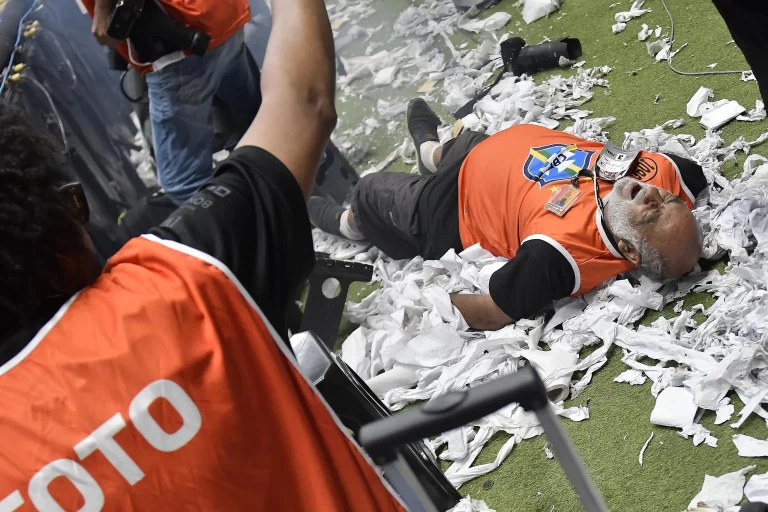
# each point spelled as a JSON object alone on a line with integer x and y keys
{"x": 54, "y": 111}
{"x": 122, "y": 89}
{"x": 670, "y": 56}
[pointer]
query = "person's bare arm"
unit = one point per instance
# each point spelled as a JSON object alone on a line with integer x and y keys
{"x": 298, "y": 84}
{"x": 480, "y": 312}
{"x": 102, "y": 11}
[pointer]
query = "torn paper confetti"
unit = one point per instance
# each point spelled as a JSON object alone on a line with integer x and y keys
{"x": 548, "y": 450}
{"x": 700, "y": 435}
{"x": 634, "y": 11}
{"x": 370, "y": 125}
{"x": 722, "y": 115}
{"x": 697, "y": 100}
{"x": 674, "y": 408}
{"x": 469, "y": 505}
{"x": 618, "y": 27}
{"x": 756, "y": 489}
{"x": 489, "y": 24}
{"x": 751, "y": 405}
{"x": 389, "y": 109}
{"x": 663, "y": 53}
{"x": 748, "y": 76}
{"x": 654, "y": 47}
{"x": 536, "y": 9}
{"x": 642, "y": 450}
{"x": 721, "y": 492}
{"x": 750, "y": 447}
{"x": 724, "y": 411}
{"x": 385, "y": 76}
{"x": 634, "y": 377}
{"x": 644, "y": 33}
{"x": 755, "y": 114}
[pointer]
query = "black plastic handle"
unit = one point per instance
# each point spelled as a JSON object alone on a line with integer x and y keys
{"x": 451, "y": 411}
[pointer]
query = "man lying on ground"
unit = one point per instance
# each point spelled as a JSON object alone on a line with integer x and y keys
{"x": 527, "y": 194}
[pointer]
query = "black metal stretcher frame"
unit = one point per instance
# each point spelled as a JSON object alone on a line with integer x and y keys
{"x": 394, "y": 441}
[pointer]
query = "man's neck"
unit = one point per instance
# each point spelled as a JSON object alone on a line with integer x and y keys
{"x": 14, "y": 340}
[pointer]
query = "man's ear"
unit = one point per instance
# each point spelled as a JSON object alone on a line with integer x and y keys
{"x": 66, "y": 279}
{"x": 629, "y": 252}
{"x": 74, "y": 271}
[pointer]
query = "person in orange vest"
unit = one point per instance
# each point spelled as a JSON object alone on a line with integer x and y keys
{"x": 164, "y": 381}
{"x": 527, "y": 193}
{"x": 181, "y": 87}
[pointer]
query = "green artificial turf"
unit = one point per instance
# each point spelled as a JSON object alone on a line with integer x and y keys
{"x": 610, "y": 441}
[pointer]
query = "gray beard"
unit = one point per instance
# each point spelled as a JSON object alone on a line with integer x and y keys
{"x": 617, "y": 213}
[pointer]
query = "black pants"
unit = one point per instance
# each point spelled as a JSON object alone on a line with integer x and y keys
{"x": 747, "y": 20}
{"x": 386, "y": 206}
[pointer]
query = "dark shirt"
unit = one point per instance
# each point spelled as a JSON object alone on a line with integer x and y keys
{"x": 252, "y": 217}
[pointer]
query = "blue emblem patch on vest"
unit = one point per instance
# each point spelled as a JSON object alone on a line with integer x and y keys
{"x": 555, "y": 162}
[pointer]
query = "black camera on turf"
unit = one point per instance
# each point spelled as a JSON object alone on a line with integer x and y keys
{"x": 519, "y": 58}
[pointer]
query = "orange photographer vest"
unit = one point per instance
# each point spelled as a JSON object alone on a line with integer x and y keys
{"x": 503, "y": 190}
{"x": 163, "y": 387}
{"x": 220, "y": 19}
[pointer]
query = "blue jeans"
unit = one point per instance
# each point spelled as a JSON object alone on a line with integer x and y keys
{"x": 180, "y": 98}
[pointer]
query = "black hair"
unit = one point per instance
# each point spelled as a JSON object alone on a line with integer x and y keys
{"x": 35, "y": 222}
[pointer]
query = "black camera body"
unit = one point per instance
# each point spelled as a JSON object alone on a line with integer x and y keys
{"x": 152, "y": 32}
{"x": 519, "y": 58}
{"x": 123, "y": 17}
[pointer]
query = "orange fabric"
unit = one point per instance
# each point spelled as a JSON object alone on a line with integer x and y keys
{"x": 220, "y": 19}
{"x": 500, "y": 206}
{"x": 265, "y": 441}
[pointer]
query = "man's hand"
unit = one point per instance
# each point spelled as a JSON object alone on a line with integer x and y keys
{"x": 101, "y": 14}
{"x": 480, "y": 312}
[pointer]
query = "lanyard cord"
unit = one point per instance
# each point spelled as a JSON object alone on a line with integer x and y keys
{"x": 598, "y": 200}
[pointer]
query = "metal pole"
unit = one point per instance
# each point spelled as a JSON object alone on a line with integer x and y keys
{"x": 570, "y": 461}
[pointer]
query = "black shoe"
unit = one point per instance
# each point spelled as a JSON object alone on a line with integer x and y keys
{"x": 325, "y": 214}
{"x": 422, "y": 125}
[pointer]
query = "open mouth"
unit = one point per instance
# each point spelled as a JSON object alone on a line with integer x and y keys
{"x": 635, "y": 190}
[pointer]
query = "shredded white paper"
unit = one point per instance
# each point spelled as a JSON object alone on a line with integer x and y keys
{"x": 634, "y": 11}
{"x": 756, "y": 489}
{"x": 413, "y": 345}
{"x": 750, "y": 447}
{"x": 536, "y": 9}
{"x": 719, "y": 493}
